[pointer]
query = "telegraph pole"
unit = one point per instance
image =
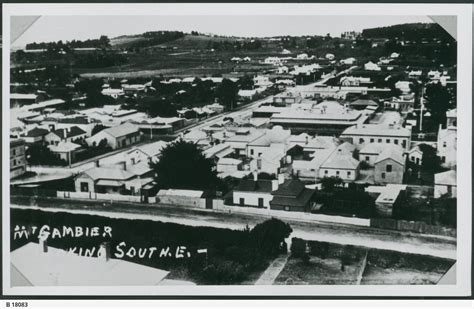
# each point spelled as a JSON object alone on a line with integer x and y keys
{"x": 422, "y": 105}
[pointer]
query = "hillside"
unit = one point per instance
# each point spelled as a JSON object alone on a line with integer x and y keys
{"x": 409, "y": 32}
{"x": 176, "y": 40}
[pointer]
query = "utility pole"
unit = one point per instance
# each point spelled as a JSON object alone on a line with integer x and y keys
{"x": 422, "y": 105}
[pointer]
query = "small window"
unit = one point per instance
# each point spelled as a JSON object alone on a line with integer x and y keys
{"x": 242, "y": 201}
{"x": 388, "y": 141}
{"x": 372, "y": 140}
{"x": 444, "y": 144}
{"x": 361, "y": 140}
{"x": 326, "y": 171}
{"x": 367, "y": 158}
{"x": 251, "y": 152}
{"x": 380, "y": 140}
{"x": 84, "y": 187}
{"x": 395, "y": 141}
{"x": 389, "y": 168}
{"x": 337, "y": 173}
{"x": 348, "y": 174}
{"x": 443, "y": 159}
{"x": 383, "y": 175}
{"x": 14, "y": 152}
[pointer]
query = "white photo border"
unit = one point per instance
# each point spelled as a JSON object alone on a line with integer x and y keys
{"x": 464, "y": 95}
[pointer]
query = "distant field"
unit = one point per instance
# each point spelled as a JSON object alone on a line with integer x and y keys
{"x": 180, "y": 63}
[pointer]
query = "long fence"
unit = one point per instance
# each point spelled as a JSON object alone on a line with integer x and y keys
{"x": 104, "y": 197}
{"x": 412, "y": 226}
{"x": 219, "y": 206}
{"x": 297, "y": 215}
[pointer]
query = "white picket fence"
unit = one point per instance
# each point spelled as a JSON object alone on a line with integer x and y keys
{"x": 102, "y": 196}
{"x": 218, "y": 205}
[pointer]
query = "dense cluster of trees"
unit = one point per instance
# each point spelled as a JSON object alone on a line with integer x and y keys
{"x": 409, "y": 32}
{"x": 152, "y": 38}
{"x": 101, "y": 42}
{"x": 99, "y": 59}
{"x": 94, "y": 150}
{"x": 92, "y": 88}
{"x": 344, "y": 201}
{"x": 182, "y": 165}
{"x": 39, "y": 154}
{"x": 438, "y": 102}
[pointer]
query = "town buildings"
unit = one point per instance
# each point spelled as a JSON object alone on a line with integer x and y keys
{"x": 254, "y": 193}
{"x": 17, "y": 158}
{"x": 360, "y": 135}
{"x": 121, "y": 178}
{"x": 291, "y": 195}
{"x": 328, "y": 117}
{"x": 445, "y": 184}
{"x": 390, "y": 165}
{"x": 116, "y": 137}
{"x": 447, "y": 146}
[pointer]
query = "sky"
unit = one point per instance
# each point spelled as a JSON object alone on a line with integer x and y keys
{"x": 66, "y": 28}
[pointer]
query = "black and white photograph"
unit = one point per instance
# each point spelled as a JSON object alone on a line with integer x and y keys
{"x": 295, "y": 149}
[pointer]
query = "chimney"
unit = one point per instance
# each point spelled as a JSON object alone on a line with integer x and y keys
{"x": 274, "y": 185}
{"x": 104, "y": 252}
{"x": 43, "y": 245}
{"x": 97, "y": 163}
{"x": 255, "y": 175}
{"x": 281, "y": 179}
{"x": 124, "y": 165}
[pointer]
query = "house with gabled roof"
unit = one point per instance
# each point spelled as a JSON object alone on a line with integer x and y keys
{"x": 291, "y": 195}
{"x": 341, "y": 163}
{"x": 65, "y": 150}
{"x": 145, "y": 153}
{"x": 273, "y": 140}
{"x": 415, "y": 155}
{"x": 35, "y": 135}
{"x": 360, "y": 104}
{"x": 254, "y": 193}
{"x": 370, "y": 152}
{"x": 64, "y": 135}
{"x": 389, "y": 165}
{"x": 121, "y": 178}
{"x": 242, "y": 138}
{"x": 117, "y": 137}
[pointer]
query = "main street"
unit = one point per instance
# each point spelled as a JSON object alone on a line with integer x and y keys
{"x": 438, "y": 246}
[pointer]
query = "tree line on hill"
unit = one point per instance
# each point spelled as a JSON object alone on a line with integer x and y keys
{"x": 408, "y": 32}
{"x": 101, "y": 42}
{"x": 152, "y": 38}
